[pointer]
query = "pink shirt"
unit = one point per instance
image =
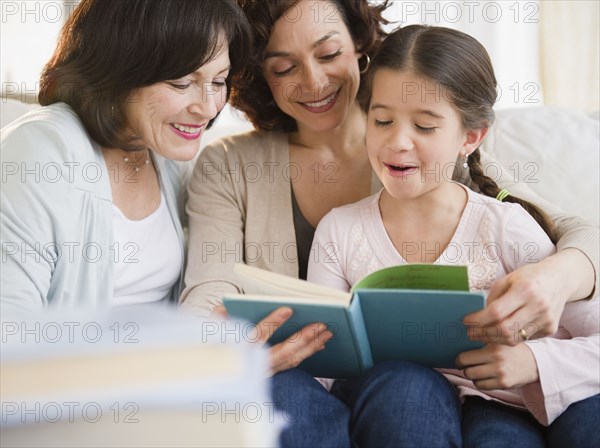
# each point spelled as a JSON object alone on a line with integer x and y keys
{"x": 492, "y": 238}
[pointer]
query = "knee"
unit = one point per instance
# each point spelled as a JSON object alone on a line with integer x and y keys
{"x": 295, "y": 384}
{"x": 407, "y": 384}
{"x": 410, "y": 376}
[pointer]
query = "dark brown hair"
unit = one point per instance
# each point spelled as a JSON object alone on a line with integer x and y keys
{"x": 108, "y": 48}
{"x": 251, "y": 93}
{"x": 462, "y": 67}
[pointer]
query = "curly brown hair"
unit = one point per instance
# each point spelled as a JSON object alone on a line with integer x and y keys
{"x": 250, "y": 92}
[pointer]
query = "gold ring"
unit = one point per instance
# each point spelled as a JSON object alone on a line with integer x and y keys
{"x": 524, "y": 334}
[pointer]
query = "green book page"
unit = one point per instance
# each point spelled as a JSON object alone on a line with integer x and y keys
{"x": 417, "y": 276}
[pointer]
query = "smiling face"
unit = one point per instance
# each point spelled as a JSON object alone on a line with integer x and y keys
{"x": 414, "y": 134}
{"x": 170, "y": 116}
{"x": 311, "y": 65}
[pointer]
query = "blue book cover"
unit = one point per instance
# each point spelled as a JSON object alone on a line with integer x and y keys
{"x": 378, "y": 320}
{"x": 342, "y": 357}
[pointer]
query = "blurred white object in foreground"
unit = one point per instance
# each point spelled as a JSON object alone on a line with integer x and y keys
{"x": 133, "y": 376}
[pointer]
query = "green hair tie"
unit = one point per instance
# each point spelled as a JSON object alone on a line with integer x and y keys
{"x": 502, "y": 195}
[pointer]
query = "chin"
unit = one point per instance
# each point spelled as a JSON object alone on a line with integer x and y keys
{"x": 185, "y": 154}
{"x": 326, "y": 123}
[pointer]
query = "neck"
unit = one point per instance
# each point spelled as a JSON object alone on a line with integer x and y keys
{"x": 347, "y": 137}
{"x": 445, "y": 200}
{"x": 127, "y": 160}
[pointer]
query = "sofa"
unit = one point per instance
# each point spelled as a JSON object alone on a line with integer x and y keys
{"x": 555, "y": 150}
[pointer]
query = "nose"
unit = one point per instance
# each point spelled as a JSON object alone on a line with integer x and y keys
{"x": 206, "y": 101}
{"x": 400, "y": 140}
{"x": 315, "y": 78}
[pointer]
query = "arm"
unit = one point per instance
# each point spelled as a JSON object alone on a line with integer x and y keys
{"x": 217, "y": 216}
{"x": 568, "y": 372}
{"x": 537, "y": 293}
{"x": 550, "y": 374}
{"x": 216, "y": 232}
{"x": 567, "y": 369}
{"x": 25, "y": 221}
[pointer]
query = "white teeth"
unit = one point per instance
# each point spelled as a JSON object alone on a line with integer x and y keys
{"x": 321, "y": 103}
{"x": 187, "y": 129}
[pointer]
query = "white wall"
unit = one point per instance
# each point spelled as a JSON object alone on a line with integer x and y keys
{"x": 509, "y": 31}
{"x": 28, "y": 34}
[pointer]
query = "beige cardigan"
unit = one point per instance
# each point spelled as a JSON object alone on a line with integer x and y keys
{"x": 240, "y": 210}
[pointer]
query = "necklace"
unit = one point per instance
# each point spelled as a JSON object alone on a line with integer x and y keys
{"x": 138, "y": 163}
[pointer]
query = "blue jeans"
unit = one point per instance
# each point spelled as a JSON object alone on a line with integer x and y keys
{"x": 489, "y": 424}
{"x": 395, "y": 404}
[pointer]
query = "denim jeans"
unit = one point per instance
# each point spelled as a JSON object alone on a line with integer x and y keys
{"x": 395, "y": 404}
{"x": 489, "y": 424}
{"x": 405, "y": 405}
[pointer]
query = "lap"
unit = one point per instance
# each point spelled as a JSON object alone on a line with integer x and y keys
{"x": 577, "y": 426}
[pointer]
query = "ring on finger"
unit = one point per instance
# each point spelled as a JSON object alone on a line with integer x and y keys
{"x": 524, "y": 334}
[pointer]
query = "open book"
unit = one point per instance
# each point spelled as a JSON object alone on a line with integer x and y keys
{"x": 411, "y": 312}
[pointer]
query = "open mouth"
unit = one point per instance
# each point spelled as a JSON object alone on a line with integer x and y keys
{"x": 401, "y": 170}
{"x": 324, "y": 104}
{"x": 188, "y": 131}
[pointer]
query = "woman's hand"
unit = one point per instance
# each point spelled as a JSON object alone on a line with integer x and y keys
{"x": 296, "y": 348}
{"x": 532, "y": 298}
{"x": 499, "y": 366}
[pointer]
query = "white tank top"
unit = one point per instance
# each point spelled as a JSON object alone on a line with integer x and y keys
{"x": 147, "y": 256}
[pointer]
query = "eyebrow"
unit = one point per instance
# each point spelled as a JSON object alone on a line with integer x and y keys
{"x": 418, "y": 111}
{"x": 198, "y": 72}
{"x": 225, "y": 69}
{"x": 276, "y": 54}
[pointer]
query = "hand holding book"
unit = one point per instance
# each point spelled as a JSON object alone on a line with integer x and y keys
{"x": 409, "y": 312}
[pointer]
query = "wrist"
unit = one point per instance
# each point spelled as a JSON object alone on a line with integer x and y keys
{"x": 574, "y": 265}
{"x": 529, "y": 363}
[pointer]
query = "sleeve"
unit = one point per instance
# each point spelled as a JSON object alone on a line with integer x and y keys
{"x": 216, "y": 232}
{"x": 573, "y": 231}
{"x": 523, "y": 239}
{"x": 569, "y": 369}
{"x": 27, "y": 231}
{"x": 325, "y": 267}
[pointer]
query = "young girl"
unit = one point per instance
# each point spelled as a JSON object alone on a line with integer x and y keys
{"x": 429, "y": 99}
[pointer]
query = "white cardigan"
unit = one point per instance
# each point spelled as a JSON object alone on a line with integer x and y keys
{"x": 56, "y": 216}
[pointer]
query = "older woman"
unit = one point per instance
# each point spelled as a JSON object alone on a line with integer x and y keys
{"x": 92, "y": 207}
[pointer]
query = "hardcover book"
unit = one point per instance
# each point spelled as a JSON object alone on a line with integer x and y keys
{"x": 411, "y": 312}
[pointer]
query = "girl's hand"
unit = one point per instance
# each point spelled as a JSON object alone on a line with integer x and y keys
{"x": 499, "y": 366}
{"x": 532, "y": 298}
{"x": 295, "y": 349}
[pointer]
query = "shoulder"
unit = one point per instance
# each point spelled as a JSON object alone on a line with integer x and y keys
{"x": 48, "y": 133}
{"x": 58, "y": 117}
{"x": 347, "y": 215}
{"x": 499, "y": 211}
{"x": 510, "y": 223}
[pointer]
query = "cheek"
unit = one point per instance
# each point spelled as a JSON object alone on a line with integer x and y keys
{"x": 373, "y": 143}
{"x": 222, "y": 100}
